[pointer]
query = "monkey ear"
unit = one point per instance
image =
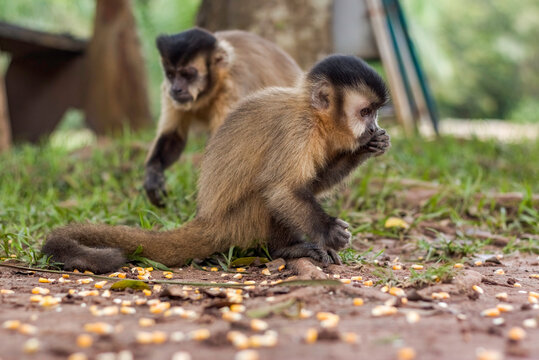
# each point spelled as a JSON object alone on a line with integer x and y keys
{"x": 321, "y": 94}
{"x": 223, "y": 54}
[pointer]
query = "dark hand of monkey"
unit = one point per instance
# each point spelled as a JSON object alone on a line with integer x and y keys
{"x": 378, "y": 144}
{"x": 154, "y": 184}
{"x": 338, "y": 235}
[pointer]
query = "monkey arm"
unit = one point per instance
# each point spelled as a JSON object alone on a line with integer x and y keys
{"x": 301, "y": 212}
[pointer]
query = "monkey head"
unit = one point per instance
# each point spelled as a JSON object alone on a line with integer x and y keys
{"x": 191, "y": 61}
{"x": 347, "y": 90}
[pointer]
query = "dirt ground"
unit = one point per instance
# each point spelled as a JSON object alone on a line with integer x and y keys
{"x": 452, "y": 328}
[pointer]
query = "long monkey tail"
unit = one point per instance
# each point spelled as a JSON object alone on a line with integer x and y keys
{"x": 103, "y": 248}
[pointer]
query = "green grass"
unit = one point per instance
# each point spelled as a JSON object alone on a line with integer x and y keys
{"x": 42, "y": 187}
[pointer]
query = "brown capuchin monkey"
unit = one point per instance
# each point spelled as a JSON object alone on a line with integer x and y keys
{"x": 205, "y": 76}
{"x": 260, "y": 175}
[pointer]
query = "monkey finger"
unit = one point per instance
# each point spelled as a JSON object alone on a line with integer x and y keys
{"x": 334, "y": 257}
{"x": 342, "y": 223}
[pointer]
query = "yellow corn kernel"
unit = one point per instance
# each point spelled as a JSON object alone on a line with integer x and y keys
{"x": 259, "y": 325}
{"x": 395, "y": 291}
{"x": 350, "y": 337}
{"x": 168, "y": 276}
{"x": 412, "y": 317}
{"x": 84, "y": 341}
{"x": 281, "y": 267}
{"x": 88, "y": 272}
{"x": 147, "y": 292}
{"x": 99, "y": 328}
{"x": 144, "y": 337}
{"x": 406, "y": 353}
{"x": 358, "y": 302}
{"x": 85, "y": 293}
{"x": 502, "y": 296}
{"x": 231, "y": 316}
{"x": 31, "y": 346}
{"x": 121, "y": 275}
{"x": 36, "y": 298}
{"x": 159, "y": 308}
{"x": 246, "y": 355}
{"x": 77, "y": 356}
{"x": 49, "y": 301}
{"x": 6, "y": 291}
{"x": 499, "y": 272}
{"x": 11, "y": 324}
{"x": 311, "y": 336}
{"x": 71, "y": 291}
{"x": 442, "y": 295}
{"x": 417, "y": 267}
{"x": 534, "y": 294}
{"x": 45, "y": 280}
{"x": 76, "y": 271}
{"x": 517, "y": 285}
{"x": 492, "y": 312}
{"x": 85, "y": 281}
{"x": 144, "y": 277}
{"x": 159, "y": 337}
{"x": 304, "y": 314}
{"x": 478, "y": 263}
{"x": 395, "y": 222}
{"x": 238, "y": 276}
{"x": 534, "y": 276}
{"x": 384, "y": 289}
{"x": 478, "y": 289}
{"x": 383, "y": 310}
{"x": 533, "y": 300}
{"x": 27, "y": 329}
{"x": 397, "y": 267}
{"x": 148, "y": 269}
{"x": 505, "y": 307}
{"x": 530, "y": 323}
{"x": 346, "y": 281}
{"x": 238, "y": 308}
{"x": 458, "y": 265}
{"x": 368, "y": 283}
{"x": 356, "y": 278}
{"x": 40, "y": 291}
{"x": 240, "y": 270}
{"x": 484, "y": 354}
{"x": 249, "y": 282}
{"x": 127, "y": 310}
{"x": 235, "y": 298}
{"x": 106, "y": 294}
{"x": 100, "y": 284}
{"x": 239, "y": 340}
{"x": 200, "y": 334}
{"x": 146, "y": 322}
{"x": 516, "y": 333}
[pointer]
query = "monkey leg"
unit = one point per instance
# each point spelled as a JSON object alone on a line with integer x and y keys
{"x": 287, "y": 245}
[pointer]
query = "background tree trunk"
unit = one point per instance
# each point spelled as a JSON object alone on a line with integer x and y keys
{"x": 301, "y": 27}
{"x": 5, "y": 130}
{"x": 117, "y": 88}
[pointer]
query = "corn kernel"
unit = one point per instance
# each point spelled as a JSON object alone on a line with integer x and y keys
{"x": 49, "y": 301}
{"x": 85, "y": 281}
{"x": 395, "y": 222}
{"x": 27, "y": 329}
{"x": 40, "y": 291}
{"x": 358, "y": 302}
{"x": 406, "y": 353}
{"x": 346, "y": 281}
{"x": 356, "y": 278}
{"x": 11, "y": 324}
{"x": 159, "y": 308}
{"x": 505, "y": 307}
{"x": 350, "y": 337}
{"x": 144, "y": 337}
{"x": 45, "y": 280}
{"x": 484, "y": 354}
{"x": 31, "y": 346}
{"x": 127, "y": 310}
{"x": 36, "y": 298}
{"x": 502, "y": 296}
{"x": 259, "y": 325}
{"x": 159, "y": 337}
{"x": 88, "y": 272}
{"x": 231, "y": 316}
{"x": 478, "y": 263}
{"x": 145, "y": 276}
{"x": 311, "y": 336}
{"x": 99, "y": 328}
{"x": 368, "y": 283}
{"x": 384, "y": 289}
{"x": 77, "y": 356}
{"x": 534, "y": 276}
{"x": 397, "y": 267}
{"x": 237, "y": 308}
{"x": 200, "y": 334}
{"x": 240, "y": 270}
{"x": 530, "y": 323}
{"x": 85, "y": 293}
{"x": 534, "y": 294}
{"x": 383, "y": 310}
{"x": 395, "y": 291}
{"x": 304, "y": 314}
{"x": 181, "y": 355}
{"x": 71, "y": 291}
{"x": 145, "y": 322}
{"x": 100, "y": 284}
{"x": 281, "y": 267}
{"x": 499, "y": 272}
{"x": 246, "y": 355}
{"x": 533, "y": 300}
{"x": 492, "y": 312}
{"x": 517, "y": 285}
{"x": 147, "y": 292}
{"x": 121, "y": 275}
{"x": 516, "y": 333}
{"x": 458, "y": 265}
{"x": 440, "y": 295}
{"x": 239, "y": 340}
{"x": 412, "y": 317}
{"x": 168, "y": 276}
{"x": 238, "y": 276}
{"x": 417, "y": 267}
{"x": 478, "y": 289}
{"x": 148, "y": 269}
{"x": 6, "y": 291}
{"x": 84, "y": 341}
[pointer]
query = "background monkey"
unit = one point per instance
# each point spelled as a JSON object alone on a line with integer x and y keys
{"x": 205, "y": 76}
{"x": 260, "y": 176}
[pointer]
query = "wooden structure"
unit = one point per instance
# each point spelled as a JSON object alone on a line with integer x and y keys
{"x": 48, "y": 74}
{"x": 5, "y": 130}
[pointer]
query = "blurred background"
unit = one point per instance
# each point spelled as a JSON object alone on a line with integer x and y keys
{"x": 479, "y": 60}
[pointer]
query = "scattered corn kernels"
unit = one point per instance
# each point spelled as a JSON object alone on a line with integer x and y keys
{"x": 214, "y": 269}
{"x": 146, "y": 322}
{"x": 458, "y": 265}
{"x": 478, "y": 289}
{"x": 200, "y": 334}
{"x": 31, "y": 346}
{"x": 412, "y": 317}
{"x": 259, "y": 325}
{"x": 144, "y": 337}
{"x": 100, "y": 284}
{"x": 350, "y": 338}
{"x": 311, "y": 336}
{"x": 6, "y": 291}
{"x": 84, "y": 340}
{"x": 147, "y": 292}
{"x": 77, "y": 356}
{"x": 395, "y": 291}
{"x": 128, "y": 310}
{"x": 368, "y": 283}
{"x": 517, "y": 285}
{"x": 159, "y": 308}
{"x": 440, "y": 295}
{"x": 239, "y": 308}
{"x": 356, "y": 278}
{"x": 240, "y": 270}
{"x": 484, "y": 354}
{"x": 534, "y": 276}
{"x": 99, "y": 328}
{"x": 397, "y": 267}
{"x": 239, "y": 340}
{"x": 27, "y": 329}
{"x": 266, "y": 272}
{"x": 417, "y": 267}
{"x": 11, "y": 324}
{"x": 383, "y": 310}
{"x": 231, "y": 316}
{"x": 36, "y": 298}
{"x": 50, "y": 301}
{"x": 346, "y": 281}
{"x": 304, "y": 314}
{"x": 281, "y": 267}
{"x": 505, "y": 307}
{"x": 406, "y": 353}
{"x": 530, "y": 323}
{"x": 85, "y": 281}
{"x": 238, "y": 276}
{"x": 181, "y": 355}
{"x": 45, "y": 280}
{"x": 393, "y": 222}
{"x": 40, "y": 291}
{"x": 534, "y": 294}
{"x": 516, "y": 333}
{"x": 246, "y": 355}
{"x": 492, "y": 312}
{"x": 533, "y": 299}
{"x": 499, "y": 272}
{"x": 358, "y": 302}
{"x": 122, "y": 275}
{"x": 478, "y": 263}
{"x": 502, "y": 296}
{"x": 159, "y": 337}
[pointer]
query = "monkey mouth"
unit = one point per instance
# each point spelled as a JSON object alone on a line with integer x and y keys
{"x": 183, "y": 99}
{"x": 367, "y": 135}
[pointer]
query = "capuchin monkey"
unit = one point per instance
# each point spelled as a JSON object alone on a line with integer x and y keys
{"x": 205, "y": 76}
{"x": 260, "y": 176}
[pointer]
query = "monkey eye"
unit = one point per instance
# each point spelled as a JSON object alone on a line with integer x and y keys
{"x": 190, "y": 73}
{"x": 365, "y": 112}
{"x": 169, "y": 74}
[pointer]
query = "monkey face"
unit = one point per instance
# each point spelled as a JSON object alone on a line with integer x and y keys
{"x": 186, "y": 82}
{"x": 361, "y": 113}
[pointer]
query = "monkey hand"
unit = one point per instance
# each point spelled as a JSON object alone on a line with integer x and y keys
{"x": 338, "y": 235}
{"x": 154, "y": 184}
{"x": 378, "y": 144}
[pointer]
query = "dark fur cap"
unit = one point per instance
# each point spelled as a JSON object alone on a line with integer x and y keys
{"x": 181, "y": 48}
{"x": 349, "y": 71}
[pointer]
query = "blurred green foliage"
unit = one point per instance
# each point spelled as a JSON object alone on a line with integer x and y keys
{"x": 482, "y": 56}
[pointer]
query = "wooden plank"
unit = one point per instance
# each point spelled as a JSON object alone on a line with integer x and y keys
{"x": 389, "y": 61}
{"x": 5, "y": 129}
